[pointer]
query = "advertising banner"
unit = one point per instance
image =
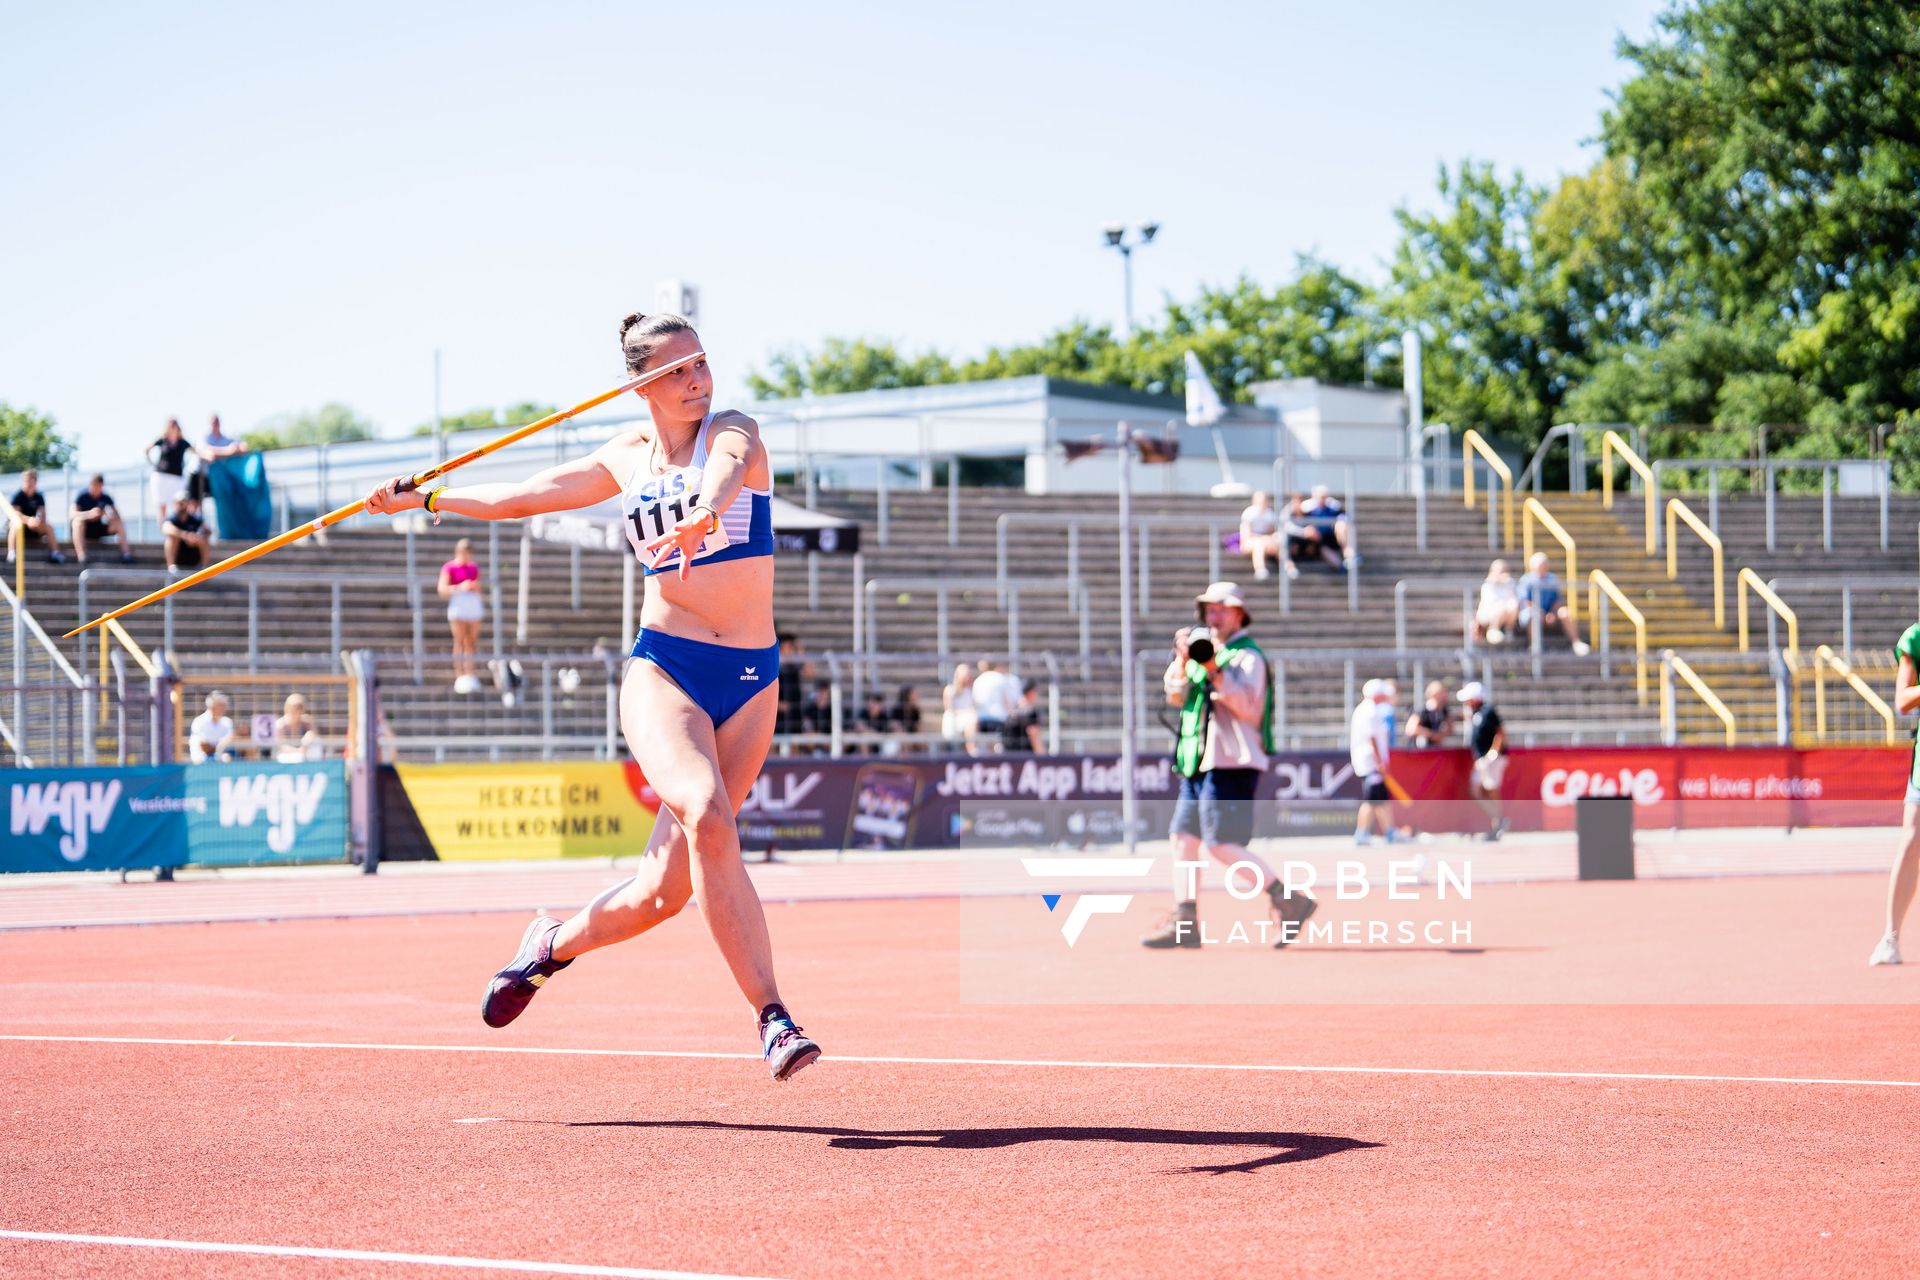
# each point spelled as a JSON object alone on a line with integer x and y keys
{"x": 535, "y": 809}
{"x": 1670, "y": 786}
{"x": 244, "y": 814}
{"x": 174, "y": 815}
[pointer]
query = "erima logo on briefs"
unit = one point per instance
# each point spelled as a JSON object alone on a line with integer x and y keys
{"x": 289, "y": 802}
{"x": 1087, "y": 905}
{"x": 82, "y": 808}
{"x": 749, "y": 674}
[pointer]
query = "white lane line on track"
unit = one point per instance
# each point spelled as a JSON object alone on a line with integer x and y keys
{"x": 370, "y": 1255}
{"x": 1274, "y": 1068}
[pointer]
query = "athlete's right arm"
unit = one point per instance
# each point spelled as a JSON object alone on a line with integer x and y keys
{"x": 579, "y": 483}
{"x": 1906, "y": 694}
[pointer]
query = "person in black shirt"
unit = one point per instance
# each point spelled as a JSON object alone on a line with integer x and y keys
{"x": 30, "y": 517}
{"x": 906, "y": 710}
{"x": 168, "y": 455}
{"x": 94, "y": 518}
{"x": 817, "y": 715}
{"x": 1432, "y": 725}
{"x": 875, "y": 718}
{"x": 794, "y": 671}
{"x": 1487, "y": 739}
{"x": 1024, "y": 732}
{"x": 186, "y": 535}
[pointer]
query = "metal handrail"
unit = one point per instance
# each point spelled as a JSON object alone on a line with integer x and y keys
{"x": 1824, "y": 657}
{"x": 1673, "y": 664}
{"x": 1533, "y": 510}
{"x": 1466, "y": 588}
{"x": 1828, "y": 467}
{"x": 1610, "y": 444}
{"x": 1496, "y": 465}
{"x": 336, "y": 585}
{"x": 1675, "y": 507}
{"x": 1748, "y": 578}
{"x": 1846, "y": 587}
{"x": 1599, "y": 584}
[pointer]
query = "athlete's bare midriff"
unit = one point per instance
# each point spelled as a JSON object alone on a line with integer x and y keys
{"x": 729, "y": 603}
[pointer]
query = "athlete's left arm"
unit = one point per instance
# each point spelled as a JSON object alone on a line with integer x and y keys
{"x": 1906, "y": 694}
{"x": 733, "y": 444}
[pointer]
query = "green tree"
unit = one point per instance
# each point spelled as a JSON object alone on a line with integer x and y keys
{"x": 847, "y": 364}
{"x": 1777, "y": 144}
{"x": 27, "y": 439}
{"x": 516, "y": 415}
{"x": 329, "y": 424}
{"x": 1505, "y": 340}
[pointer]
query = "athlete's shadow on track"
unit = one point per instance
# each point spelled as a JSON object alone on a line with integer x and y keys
{"x": 1284, "y": 1148}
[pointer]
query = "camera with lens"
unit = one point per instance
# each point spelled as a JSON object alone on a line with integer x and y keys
{"x": 1200, "y": 645}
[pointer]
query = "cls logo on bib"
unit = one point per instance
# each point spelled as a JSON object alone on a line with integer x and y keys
{"x": 289, "y": 802}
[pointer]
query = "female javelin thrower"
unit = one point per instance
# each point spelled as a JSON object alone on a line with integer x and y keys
{"x": 701, "y": 688}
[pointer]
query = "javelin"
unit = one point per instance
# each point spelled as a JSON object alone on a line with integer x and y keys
{"x": 354, "y": 508}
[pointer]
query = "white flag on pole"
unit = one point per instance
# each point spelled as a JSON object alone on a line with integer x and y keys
{"x": 1203, "y": 403}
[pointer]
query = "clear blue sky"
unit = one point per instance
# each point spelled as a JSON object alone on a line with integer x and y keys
{"x": 248, "y": 208}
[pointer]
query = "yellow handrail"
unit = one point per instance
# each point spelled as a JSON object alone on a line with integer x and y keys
{"x": 1675, "y": 507}
{"x": 1610, "y": 444}
{"x": 146, "y": 664}
{"x": 1471, "y": 440}
{"x": 1699, "y": 686}
{"x": 1823, "y": 657}
{"x": 1536, "y": 510}
{"x": 1748, "y": 578}
{"x": 1597, "y": 583}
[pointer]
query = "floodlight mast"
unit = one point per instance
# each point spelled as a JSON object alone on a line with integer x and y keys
{"x": 1116, "y": 234}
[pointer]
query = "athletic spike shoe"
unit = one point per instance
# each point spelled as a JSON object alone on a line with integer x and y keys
{"x": 1181, "y": 928}
{"x": 1297, "y": 909}
{"x": 785, "y": 1046}
{"x": 1888, "y": 952}
{"x": 513, "y": 988}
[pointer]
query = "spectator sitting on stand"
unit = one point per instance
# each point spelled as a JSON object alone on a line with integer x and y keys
{"x": 957, "y": 719}
{"x": 294, "y": 735}
{"x": 1260, "y": 534}
{"x": 906, "y": 711}
{"x": 875, "y": 719}
{"x": 1325, "y": 513}
{"x": 1540, "y": 596}
{"x": 185, "y": 535}
{"x": 1432, "y": 725}
{"x": 30, "y": 517}
{"x": 94, "y": 518}
{"x": 1026, "y": 727}
{"x": 210, "y": 737}
{"x": 994, "y": 695}
{"x": 817, "y": 715}
{"x": 1498, "y": 613}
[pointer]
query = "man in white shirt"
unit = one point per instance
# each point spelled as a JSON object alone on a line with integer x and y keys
{"x": 1369, "y": 743}
{"x": 995, "y": 694}
{"x": 211, "y": 735}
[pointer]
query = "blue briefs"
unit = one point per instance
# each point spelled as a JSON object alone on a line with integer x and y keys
{"x": 719, "y": 678}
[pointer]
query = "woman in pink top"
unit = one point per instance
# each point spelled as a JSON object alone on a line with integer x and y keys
{"x": 460, "y": 587}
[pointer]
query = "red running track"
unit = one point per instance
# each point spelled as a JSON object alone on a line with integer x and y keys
{"x": 941, "y": 1138}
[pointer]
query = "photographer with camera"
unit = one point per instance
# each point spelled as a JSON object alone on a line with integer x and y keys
{"x": 1219, "y": 680}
